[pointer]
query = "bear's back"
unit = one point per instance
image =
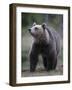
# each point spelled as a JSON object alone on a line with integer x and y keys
{"x": 55, "y": 37}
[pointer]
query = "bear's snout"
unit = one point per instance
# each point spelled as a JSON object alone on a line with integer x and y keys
{"x": 29, "y": 30}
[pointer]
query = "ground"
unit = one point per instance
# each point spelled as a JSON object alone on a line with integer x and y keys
{"x": 42, "y": 72}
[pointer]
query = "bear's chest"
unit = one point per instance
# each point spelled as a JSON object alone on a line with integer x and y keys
{"x": 43, "y": 48}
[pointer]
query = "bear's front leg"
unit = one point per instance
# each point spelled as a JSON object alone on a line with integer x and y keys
{"x": 33, "y": 58}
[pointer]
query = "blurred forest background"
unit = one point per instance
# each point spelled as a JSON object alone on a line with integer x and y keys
{"x": 54, "y": 22}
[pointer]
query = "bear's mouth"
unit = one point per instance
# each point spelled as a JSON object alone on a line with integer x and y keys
{"x": 35, "y": 36}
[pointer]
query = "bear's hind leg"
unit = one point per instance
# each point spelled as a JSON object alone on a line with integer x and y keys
{"x": 54, "y": 64}
{"x": 50, "y": 62}
{"x": 53, "y": 61}
{"x": 47, "y": 64}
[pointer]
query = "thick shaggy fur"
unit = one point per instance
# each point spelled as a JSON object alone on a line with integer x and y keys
{"x": 46, "y": 43}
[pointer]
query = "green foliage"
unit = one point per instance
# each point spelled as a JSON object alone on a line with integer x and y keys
{"x": 28, "y": 19}
{"x": 54, "y": 20}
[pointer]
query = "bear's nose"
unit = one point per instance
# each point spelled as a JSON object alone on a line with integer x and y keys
{"x": 29, "y": 29}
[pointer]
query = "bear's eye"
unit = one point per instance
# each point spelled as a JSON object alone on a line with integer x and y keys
{"x": 36, "y": 28}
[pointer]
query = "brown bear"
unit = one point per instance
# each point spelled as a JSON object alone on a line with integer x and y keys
{"x": 47, "y": 44}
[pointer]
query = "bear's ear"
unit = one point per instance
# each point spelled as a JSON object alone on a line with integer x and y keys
{"x": 44, "y": 25}
{"x": 34, "y": 23}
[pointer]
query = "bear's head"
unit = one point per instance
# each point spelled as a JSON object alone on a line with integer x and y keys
{"x": 39, "y": 32}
